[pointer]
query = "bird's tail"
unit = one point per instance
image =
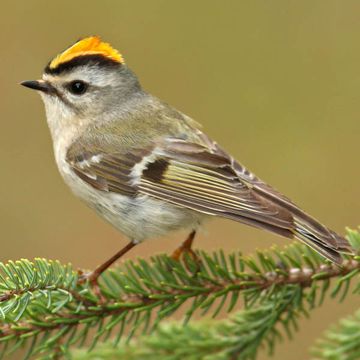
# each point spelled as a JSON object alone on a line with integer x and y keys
{"x": 320, "y": 238}
{"x": 304, "y": 227}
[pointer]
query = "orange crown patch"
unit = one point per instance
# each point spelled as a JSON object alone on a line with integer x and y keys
{"x": 91, "y": 45}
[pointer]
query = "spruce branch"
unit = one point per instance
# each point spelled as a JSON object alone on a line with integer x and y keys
{"x": 341, "y": 341}
{"x": 236, "y": 338}
{"x": 43, "y": 305}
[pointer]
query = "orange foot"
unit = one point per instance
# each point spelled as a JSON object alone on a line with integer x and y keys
{"x": 92, "y": 278}
{"x": 185, "y": 248}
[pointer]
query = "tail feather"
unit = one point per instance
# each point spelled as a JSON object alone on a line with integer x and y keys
{"x": 307, "y": 229}
{"x": 326, "y": 242}
{"x": 326, "y": 251}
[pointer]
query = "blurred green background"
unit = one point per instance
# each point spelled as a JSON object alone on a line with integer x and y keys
{"x": 275, "y": 82}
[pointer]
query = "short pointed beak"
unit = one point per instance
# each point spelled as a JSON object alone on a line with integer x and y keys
{"x": 40, "y": 85}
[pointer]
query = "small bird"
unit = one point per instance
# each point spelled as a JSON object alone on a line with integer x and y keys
{"x": 146, "y": 167}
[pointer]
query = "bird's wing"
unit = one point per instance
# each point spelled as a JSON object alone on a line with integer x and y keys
{"x": 202, "y": 177}
{"x": 182, "y": 173}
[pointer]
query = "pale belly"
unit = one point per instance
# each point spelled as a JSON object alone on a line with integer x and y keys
{"x": 145, "y": 217}
{"x": 138, "y": 218}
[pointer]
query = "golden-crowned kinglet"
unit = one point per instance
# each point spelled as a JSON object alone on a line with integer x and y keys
{"x": 146, "y": 167}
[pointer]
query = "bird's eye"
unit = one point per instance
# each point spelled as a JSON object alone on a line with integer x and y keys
{"x": 77, "y": 87}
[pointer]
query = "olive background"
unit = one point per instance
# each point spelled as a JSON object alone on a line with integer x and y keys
{"x": 275, "y": 82}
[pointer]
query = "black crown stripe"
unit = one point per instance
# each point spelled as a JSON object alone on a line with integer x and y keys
{"x": 81, "y": 60}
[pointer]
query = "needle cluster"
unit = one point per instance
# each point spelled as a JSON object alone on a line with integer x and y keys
{"x": 46, "y": 310}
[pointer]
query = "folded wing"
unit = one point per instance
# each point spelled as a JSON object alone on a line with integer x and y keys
{"x": 204, "y": 178}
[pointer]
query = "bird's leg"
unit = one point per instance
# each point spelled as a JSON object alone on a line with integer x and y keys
{"x": 184, "y": 248}
{"x": 93, "y": 276}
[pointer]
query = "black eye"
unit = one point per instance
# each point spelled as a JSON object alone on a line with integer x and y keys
{"x": 77, "y": 87}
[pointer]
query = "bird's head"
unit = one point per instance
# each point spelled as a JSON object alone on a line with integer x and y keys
{"x": 87, "y": 80}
